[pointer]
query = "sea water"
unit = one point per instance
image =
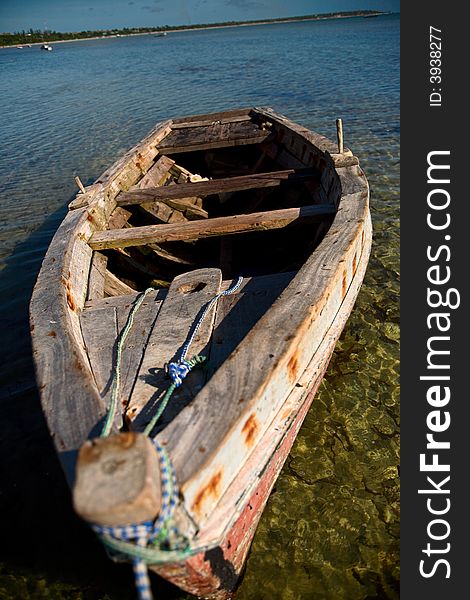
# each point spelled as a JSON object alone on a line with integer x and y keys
{"x": 330, "y": 529}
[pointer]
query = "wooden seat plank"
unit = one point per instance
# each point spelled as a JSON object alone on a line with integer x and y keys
{"x": 218, "y": 226}
{"x": 215, "y": 186}
{"x": 215, "y": 134}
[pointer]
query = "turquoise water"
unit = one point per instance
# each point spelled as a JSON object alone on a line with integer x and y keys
{"x": 331, "y": 526}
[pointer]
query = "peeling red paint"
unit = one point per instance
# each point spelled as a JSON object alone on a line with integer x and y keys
{"x": 52, "y": 334}
{"x": 211, "y": 489}
{"x": 250, "y": 429}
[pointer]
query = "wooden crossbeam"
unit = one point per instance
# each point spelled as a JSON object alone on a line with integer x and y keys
{"x": 214, "y": 186}
{"x": 212, "y": 134}
{"x": 219, "y": 226}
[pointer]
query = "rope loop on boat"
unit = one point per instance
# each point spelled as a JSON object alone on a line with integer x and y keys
{"x": 159, "y": 541}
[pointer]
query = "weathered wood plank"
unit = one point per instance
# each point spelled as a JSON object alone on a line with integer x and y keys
{"x": 100, "y": 332}
{"x": 206, "y": 122}
{"x": 238, "y": 313}
{"x": 71, "y": 403}
{"x": 215, "y": 135}
{"x": 216, "y": 116}
{"x": 187, "y": 296}
{"x": 157, "y": 174}
{"x": 218, "y": 226}
{"x": 189, "y": 208}
{"x": 96, "y": 277}
{"x": 288, "y": 126}
{"x": 119, "y": 218}
{"x": 137, "y": 338}
{"x": 216, "y": 186}
{"x": 113, "y": 286}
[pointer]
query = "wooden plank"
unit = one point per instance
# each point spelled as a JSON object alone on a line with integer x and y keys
{"x": 187, "y": 296}
{"x": 189, "y": 208}
{"x": 96, "y": 277}
{"x": 218, "y": 226}
{"x": 284, "y": 124}
{"x": 119, "y": 218}
{"x": 206, "y": 122}
{"x": 216, "y": 116}
{"x": 238, "y": 313}
{"x": 113, "y": 286}
{"x": 138, "y": 335}
{"x": 214, "y": 135}
{"x": 156, "y": 174}
{"x": 216, "y": 186}
{"x": 100, "y": 332}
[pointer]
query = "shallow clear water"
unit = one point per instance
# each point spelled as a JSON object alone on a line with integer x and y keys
{"x": 330, "y": 529}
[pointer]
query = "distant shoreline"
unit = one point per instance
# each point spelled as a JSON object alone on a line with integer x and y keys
{"x": 179, "y": 29}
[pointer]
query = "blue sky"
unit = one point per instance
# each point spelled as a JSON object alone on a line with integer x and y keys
{"x": 77, "y": 15}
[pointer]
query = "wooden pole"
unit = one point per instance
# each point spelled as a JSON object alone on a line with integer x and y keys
{"x": 80, "y": 184}
{"x": 339, "y": 133}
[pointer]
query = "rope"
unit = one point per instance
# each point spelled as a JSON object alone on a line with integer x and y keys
{"x": 159, "y": 541}
{"x": 108, "y": 424}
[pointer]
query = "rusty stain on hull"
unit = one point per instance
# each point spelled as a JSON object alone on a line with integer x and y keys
{"x": 211, "y": 489}
{"x": 250, "y": 430}
{"x": 344, "y": 285}
{"x": 293, "y": 368}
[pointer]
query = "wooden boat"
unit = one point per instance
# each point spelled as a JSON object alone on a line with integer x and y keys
{"x": 200, "y": 201}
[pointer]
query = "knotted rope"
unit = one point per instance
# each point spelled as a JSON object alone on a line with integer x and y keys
{"x": 158, "y": 541}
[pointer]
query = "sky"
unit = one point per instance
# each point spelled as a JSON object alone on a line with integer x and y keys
{"x": 78, "y": 15}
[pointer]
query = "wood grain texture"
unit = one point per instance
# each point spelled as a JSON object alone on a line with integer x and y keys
{"x": 97, "y": 276}
{"x": 187, "y": 296}
{"x": 113, "y": 286}
{"x": 215, "y": 116}
{"x": 70, "y": 400}
{"x": 157, "y": 174}
{"x": 118, "y": 480}
{"x": 217, "y": 226}
{"x": 216, "y": 186}
{"x": 215, "y": 134}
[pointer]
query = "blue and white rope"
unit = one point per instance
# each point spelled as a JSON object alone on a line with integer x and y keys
{"x": 184, "y": 350}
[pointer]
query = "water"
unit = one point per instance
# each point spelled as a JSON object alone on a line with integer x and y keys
{"x": 330, "y": 530}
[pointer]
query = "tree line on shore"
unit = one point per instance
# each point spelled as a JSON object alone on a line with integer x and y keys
{"x": 36, "y": 35}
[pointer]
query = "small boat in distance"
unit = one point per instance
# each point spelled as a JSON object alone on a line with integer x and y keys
{"x": 238, "y": 239}
{"x": 46, "y": 47}
{"x": 162, "y": 34}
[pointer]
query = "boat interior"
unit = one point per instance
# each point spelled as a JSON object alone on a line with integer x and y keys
{"x": 237, "y": 197}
